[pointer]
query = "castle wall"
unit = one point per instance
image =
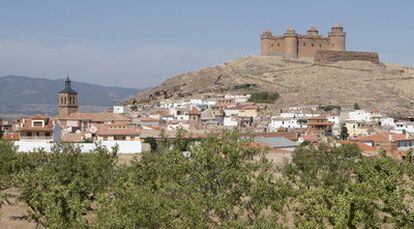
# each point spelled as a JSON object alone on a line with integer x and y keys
{"x": 331, "y": 56}
{"x": 295, "y": 45}
{"x": 308, "y": 46}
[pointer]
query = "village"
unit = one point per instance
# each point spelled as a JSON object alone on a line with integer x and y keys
{"x": 132, "y": 127}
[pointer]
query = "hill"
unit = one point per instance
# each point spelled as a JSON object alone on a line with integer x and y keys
{"x": 26, "y": 95}
{"x": 386, "y": 87}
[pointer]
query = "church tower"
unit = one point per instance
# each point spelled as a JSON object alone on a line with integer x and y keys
{"x": 68, "y": 100}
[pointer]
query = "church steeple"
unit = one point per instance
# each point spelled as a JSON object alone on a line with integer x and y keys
{"x": 68, "y": 99}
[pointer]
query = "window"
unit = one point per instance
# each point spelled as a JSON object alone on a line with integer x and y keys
{"x": 304, "y": 44}
{"x": 29, "y": 134}
{"x": 271, "y": 45}
{"x": 320, "y": 45}
{"x": 105, "y": 138}
{"x": 64, "y": 99}
{"x": 312, "y": 45}
{"x": 37, "y": 123}
{"x": 277, "y": 44}
{"x": 47, "y": 134}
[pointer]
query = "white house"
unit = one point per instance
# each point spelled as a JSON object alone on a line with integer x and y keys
{"x": 387, "y": 122}
{"x": 360, "y": 116}
{"x": 407, "y": 127}
{"x": 118, "y": 109}
{"x": 230, "y": 120}
{"x": 281, "y": 122}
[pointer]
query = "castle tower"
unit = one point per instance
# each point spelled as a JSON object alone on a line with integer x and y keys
{"x": 266, "y": 42}
{"x": 336, "y": 38}
{"x": 291, "y": 43}
{"x": 68, "y": 100}
{"x": 313, "y": 31}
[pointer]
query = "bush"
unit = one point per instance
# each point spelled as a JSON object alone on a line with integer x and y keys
{"x": 264, "y": 97}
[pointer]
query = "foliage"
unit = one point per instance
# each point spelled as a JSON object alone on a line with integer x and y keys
{"x": 328, "y": 108}
{"x": 357, "y": 107}
{"x": 217, "y": 184}
{"x": 88, "y": 140}
{"x": 336, "y": 186}
{"x": 344, "y": 133}
{"x": 152, "y": 142}
{"x": 60, "y": 191}
{"x": 264, "y": 97}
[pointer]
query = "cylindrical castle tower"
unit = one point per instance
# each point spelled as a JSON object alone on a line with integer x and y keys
{"x": 291, "y": 43}
{"x": 336, "y": 38}
{"x": 266, "y": 41}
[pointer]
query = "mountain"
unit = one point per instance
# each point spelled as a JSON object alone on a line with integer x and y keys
{"x": 387, "y": 87}
{"x": 26, "y": 95}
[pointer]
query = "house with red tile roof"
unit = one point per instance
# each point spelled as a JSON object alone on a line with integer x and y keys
{"x": 37, "y": 128}
{"x": 118, "y": 132}
{"x": 394, "y": 144}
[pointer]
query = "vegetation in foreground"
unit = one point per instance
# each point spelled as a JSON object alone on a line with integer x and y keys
{"x": 220, "y": 182}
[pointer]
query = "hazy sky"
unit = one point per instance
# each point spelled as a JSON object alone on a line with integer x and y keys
{"x": 140, "y": 43}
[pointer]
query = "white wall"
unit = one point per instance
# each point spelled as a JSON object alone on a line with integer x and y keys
{"x": 124, "y": 146}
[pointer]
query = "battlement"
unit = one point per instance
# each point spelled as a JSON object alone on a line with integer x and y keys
{"x": 296, "y": 45}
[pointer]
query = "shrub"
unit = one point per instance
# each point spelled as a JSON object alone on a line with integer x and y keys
{"x": 264, "y": 97}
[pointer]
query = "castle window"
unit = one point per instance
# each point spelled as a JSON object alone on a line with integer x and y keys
{"x": 312, "y": 45}
{"x": 304, "y": 44}
{"x": 277, "y": 44}
{"x": 271, "y": 45}
{"x": 64, "y": 99}
{"x": 320, "y": 45}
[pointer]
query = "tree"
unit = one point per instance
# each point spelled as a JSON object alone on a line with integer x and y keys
{"x": 219, "y": 183}
{"x": 264, "y": 97}
{"x": 59, "y": 193}
{"x": 344, "y": 133}
{"x": 337, "y": 187}
{"x": 152, "y": 142}
{"x": 356, "y": 106}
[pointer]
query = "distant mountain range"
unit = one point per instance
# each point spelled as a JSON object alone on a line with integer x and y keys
{"x": 21, "y": 95}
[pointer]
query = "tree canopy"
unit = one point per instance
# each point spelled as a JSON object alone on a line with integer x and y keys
{"x": 220, "y": 181}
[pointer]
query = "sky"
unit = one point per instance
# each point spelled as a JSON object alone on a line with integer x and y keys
{"x": 140, "y": 43}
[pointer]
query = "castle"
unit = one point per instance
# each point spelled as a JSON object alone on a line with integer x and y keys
{"x": 296, "y": 45}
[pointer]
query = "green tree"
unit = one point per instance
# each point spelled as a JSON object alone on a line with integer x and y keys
{"x": 344, "y": 133}
{"x": 336, "y": 186}
{"x": 59, "y": 193}
{"x": 152, "y": 142}
{"x": 356, "y": 106}
{"x": 220, "y": 183}
{"x": 264, "y": 97}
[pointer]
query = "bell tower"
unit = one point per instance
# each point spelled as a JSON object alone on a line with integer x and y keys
{"x": 68, "y": 100}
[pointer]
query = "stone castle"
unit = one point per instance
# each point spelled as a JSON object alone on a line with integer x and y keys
{"x": 322, "y": 49}
{"x": 295, "y": 45}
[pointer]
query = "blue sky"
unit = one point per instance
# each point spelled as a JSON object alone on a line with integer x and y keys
{"x": 141, "y": 43}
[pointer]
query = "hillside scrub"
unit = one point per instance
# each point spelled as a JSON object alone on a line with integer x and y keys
{"x": 221, "y": 181}
{"x": 264, "y": 97}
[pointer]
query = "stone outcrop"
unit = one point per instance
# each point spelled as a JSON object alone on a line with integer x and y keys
{"x": 330, "y": 57}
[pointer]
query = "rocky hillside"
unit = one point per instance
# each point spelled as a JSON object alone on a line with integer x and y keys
{"x": 387, "y": 87}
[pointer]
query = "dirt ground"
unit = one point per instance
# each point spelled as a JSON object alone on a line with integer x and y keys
{"x": 14, "y": 215}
